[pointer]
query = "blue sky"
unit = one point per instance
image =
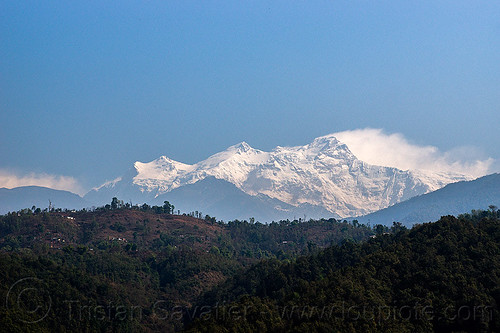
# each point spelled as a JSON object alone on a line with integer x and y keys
{"x": 89, "y": 87}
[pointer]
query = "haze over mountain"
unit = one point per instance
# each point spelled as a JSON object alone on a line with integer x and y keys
{"x": 222, "y": 198}
{"x": 324, "y": 173}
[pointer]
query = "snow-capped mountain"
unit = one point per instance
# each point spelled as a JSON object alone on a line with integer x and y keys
{"x": 323, "y": 173}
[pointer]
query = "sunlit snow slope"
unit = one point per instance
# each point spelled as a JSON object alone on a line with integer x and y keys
{"x": 323, "y": 173}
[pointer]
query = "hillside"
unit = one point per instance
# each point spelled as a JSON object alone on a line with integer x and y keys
{"x": 453, "y": 199}
{"x": 141, "y": 260}
{"x": 150, "y": 270}
{"x": 440, "y": 277}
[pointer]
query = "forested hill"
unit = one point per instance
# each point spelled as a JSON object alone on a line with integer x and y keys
{"x": 129, "y": 269}
{"x": 442, "y": 276}
{"x": 134, "y": 269}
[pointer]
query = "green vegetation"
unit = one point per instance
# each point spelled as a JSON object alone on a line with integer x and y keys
{"x": 127, "y": 268}
{"x": 442, "y": 276}
{"x": 134, "y": 268}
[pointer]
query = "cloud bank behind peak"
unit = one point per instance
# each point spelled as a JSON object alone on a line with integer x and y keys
{"x": 11, "y": 179}
{"x": 394, "y": 150}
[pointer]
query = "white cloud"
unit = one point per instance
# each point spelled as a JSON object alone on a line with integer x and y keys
{"x": 376, "y": 147}
{"x": 10, "y": 179}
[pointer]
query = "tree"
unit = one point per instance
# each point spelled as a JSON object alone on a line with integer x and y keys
{"x": 167, "y": 207}
{"x": 380, "y": 229}
{"x": 397, "y": 227}
{"x": 114, "y": 203}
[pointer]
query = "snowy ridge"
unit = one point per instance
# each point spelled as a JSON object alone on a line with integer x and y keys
{"x": 108, "y": 184}
{"x": 323, "y": 173}
{"x": 233, "y": 165}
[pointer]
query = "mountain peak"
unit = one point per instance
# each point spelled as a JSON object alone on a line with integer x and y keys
{"x": 331, "y": 146}
{"x": 164, "y": 158}
{"x": 328, "y": 141}
{"x": 322, "y": 173}
{"x": 242, "y": 146}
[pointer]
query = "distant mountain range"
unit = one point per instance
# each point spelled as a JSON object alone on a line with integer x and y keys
{"x": 215, "y": 196}
{"x": 29, "y": 196}
{"x": 321, "y": 179}
{"x": 323, "y": 176}
{"x": 453, "y": 199}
